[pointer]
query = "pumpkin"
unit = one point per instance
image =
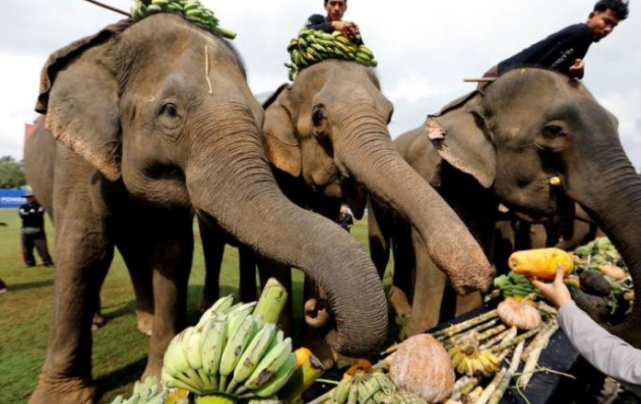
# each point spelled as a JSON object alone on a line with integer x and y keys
{"x": 519, "y": 314}
{"x": 541, "y": 263}
{"x": 423, "y": 367}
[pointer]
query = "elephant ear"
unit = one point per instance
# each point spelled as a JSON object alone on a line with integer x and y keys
{"x": 460, "y": 134}
{"x": 79, "y": 94}
{"x": 279, "y": 137}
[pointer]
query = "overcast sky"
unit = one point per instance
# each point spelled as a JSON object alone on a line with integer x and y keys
{"x": 425, "y": 48}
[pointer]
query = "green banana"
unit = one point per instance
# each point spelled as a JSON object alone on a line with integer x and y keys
{"x": 352, "y": 398}
{"x": 364, "y": 49}
{"x": 341, "y": 393}
{"x": 222, "y": 306}
{"x": 278, "y": 379}
{"x": 270, "y": 364}
{"x": 154, "y": 8}
{"x": 252, "y": 355}
{"x": 234, "y": 348}
{"x": 213, "y": 345}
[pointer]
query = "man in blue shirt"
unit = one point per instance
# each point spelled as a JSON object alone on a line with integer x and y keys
{"x": 565, "y": 50}
{"x": 334, "y": 21}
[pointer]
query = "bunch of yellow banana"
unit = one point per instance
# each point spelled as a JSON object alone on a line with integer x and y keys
{"x": 364, "y": 388}
{"x": 469, "y": 360}
{"x": 312, "y": 46}
{"x": 151, "y": 391}
{"x": 192, "y": 10}
{"x": 233, "y": 351}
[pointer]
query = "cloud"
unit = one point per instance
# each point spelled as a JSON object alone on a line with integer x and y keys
{"x": 425, "y": 49}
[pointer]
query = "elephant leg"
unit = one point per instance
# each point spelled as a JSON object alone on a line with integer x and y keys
{"x": 83, "y": 256}
{"x": 503, "y": 246}
{"x": 213, "y": 240}
{"x": 248, "y": 291}
{"x": 135, "y": 248}
{"x": 283, "y": 273}
{"x": 429, "y": 289}
{"x": 404, "y": 267}
{"x": 172, "y": 258}
{"x": 379, "y": 240}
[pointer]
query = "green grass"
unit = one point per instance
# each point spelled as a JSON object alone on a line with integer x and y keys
{"x": 119, "y": 350}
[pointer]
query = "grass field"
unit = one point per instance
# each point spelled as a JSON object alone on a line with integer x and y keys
{"x": 119, "y": 351}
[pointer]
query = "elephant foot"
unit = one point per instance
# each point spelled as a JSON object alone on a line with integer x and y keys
{"x": 98, "y": 322}
{"x": 399, "y": 302}
{"x": 145, "y": 322}
{"x": 68, "y": 391}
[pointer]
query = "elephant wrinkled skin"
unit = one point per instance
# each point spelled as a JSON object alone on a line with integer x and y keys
{"x": 144, "y": 136}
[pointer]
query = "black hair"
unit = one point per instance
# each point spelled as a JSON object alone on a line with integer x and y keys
{"x": 618, "y": 7}
{"x": 327, "y": 1}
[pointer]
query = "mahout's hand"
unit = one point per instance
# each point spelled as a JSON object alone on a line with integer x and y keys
{"x": 577, "y": 68}
{"x": 556, "y": 292}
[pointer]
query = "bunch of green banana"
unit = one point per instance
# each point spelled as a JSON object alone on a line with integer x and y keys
{"x": 151, "y": 391}
{"x": 192, "y": 10}
{"x": 364, "y": 388}
{"x": 233, "y": 352}
{"x": 312, "y": 46}
{"x": 513, "y": 285}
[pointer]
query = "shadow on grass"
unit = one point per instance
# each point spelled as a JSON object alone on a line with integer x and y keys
{"x": 123, "y": 310}
{"x": 30, "y": 285}
{"x": 119, "y": 378}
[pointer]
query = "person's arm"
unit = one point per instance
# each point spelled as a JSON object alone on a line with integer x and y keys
{"x": 318, "y": 22}
{"x": 606, "y": 352}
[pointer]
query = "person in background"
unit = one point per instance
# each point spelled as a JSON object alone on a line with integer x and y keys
{"x": 607, "y": 353}
{"x": 565, "y": 51}
{"x": 334, "y": 21}
{"x": 33, "y": 232}
{"x": 345, "y": 219}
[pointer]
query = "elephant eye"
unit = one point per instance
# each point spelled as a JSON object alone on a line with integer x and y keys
{"x": 552, "y": 131}
{"x": 317, "y": 117}
{"x": 169, "y": 110}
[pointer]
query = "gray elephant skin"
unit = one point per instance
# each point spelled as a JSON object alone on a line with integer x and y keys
{"x": 152, "y": 123}
{"x": 503, "y": 146}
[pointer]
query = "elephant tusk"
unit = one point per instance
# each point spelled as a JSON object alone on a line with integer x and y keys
{"x": 316, "y": 316}
{"x": 556, "y": 181}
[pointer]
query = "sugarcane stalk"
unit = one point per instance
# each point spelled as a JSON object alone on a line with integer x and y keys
{"x": 546, "y": 308}
{"x": 498, "y": 338}
{"x": 474, "y": 395}
{"x": 466, "y": 388}
{"x": 536, "y": 340}
{"x": 534, "y": 356}
{"x": 460, "y": 383}
{"x": 491, "y": 332}
{"x": 509, "y": 344}
{"x": 448, "y": 343}
{"x": 460, "y": 327}
{"x": 505, "y": 383}
{"x": 491, "y": 388}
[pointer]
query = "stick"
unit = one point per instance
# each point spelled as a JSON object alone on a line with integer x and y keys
{"x": 536, "y": 340}
{"x": 99, "y": 4}
{"x": 457, "y": 328}
{"x": 480, "y": 80}
{"x": 514, "y": 366}
{"x": 508, "y": 344}
{"x": 534, "y": 356}
{"x": 499, "y": 338}
{"x": 491, "y": 388}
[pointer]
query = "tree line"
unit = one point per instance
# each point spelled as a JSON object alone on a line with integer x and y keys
{"x": 11, "y": 173}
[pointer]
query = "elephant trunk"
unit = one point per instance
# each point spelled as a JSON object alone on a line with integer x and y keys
{"x": 614, "y": 203}
{"x": 232, "y": 184}
{"x": 366, "y": 151}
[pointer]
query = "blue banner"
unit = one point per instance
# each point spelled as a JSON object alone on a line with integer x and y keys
{"x": 11, "y": 198}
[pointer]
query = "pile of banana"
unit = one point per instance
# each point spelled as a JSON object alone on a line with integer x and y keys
{"x": 151, "y": 391}
{"x": 513, "y": 285}
{"x": 470, "y": 360}
{"x": 313, "y": 46}
{"x": 192, "y": 10}
{"x": 364, "y": 388}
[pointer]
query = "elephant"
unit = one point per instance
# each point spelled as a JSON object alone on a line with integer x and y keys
{"x": 503, "y": 145}
{"x": 148, "y": 124}
{"x": 327, "y": 141}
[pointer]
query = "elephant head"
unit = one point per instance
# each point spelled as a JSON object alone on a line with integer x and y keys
{"x": 164, "y": 107}
{"x": 532, "y": 125}
{"x": 329, "y": 129}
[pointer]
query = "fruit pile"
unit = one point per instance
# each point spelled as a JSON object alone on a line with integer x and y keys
{"x": 313, "y": 46}
{"x": 512, "y": 285}
{"x": 235, "y": 352}
{"x": 602, "y": 281}
{"x": 192, "y": 10}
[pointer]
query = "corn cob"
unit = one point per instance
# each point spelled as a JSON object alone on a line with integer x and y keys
{"x": 535, "y": 354}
